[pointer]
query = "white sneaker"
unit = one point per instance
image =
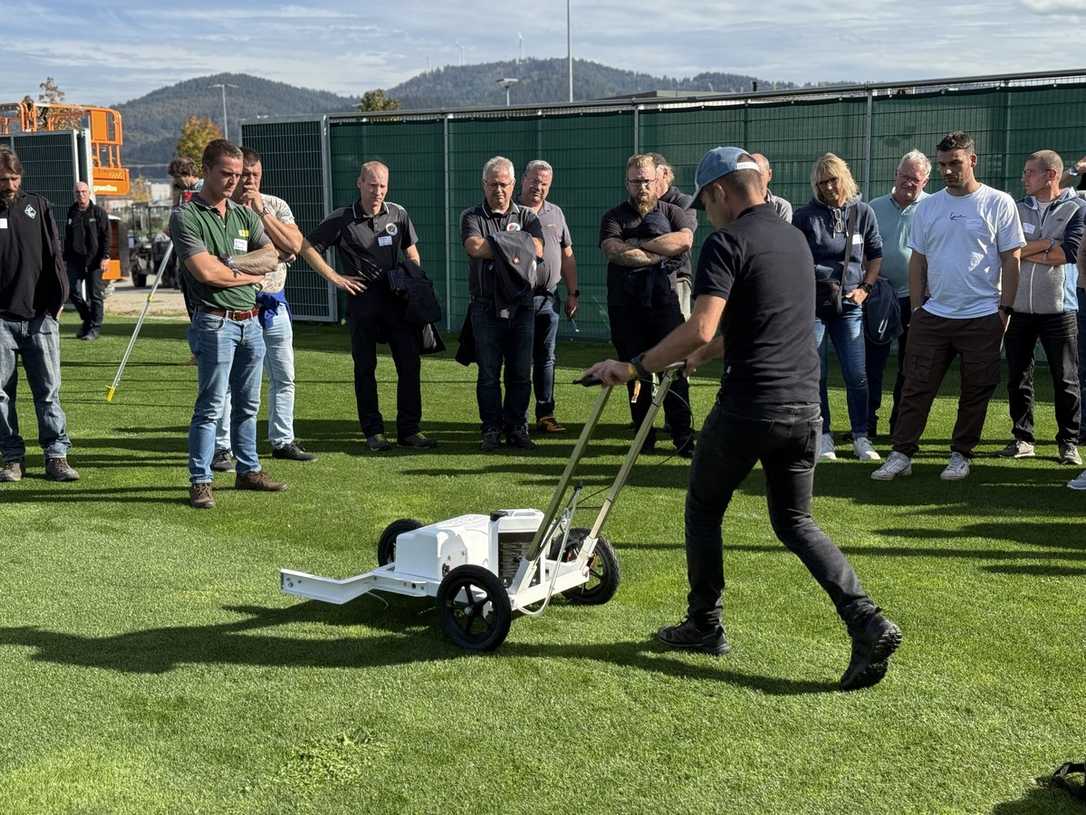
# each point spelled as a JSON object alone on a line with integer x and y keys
{"x": 825, "y": 448}
{"x": 1078, "y": 482}
{"x": 956, "y": 469}
{"x": 861, "y": 445}
{"x": 897, "y": 464}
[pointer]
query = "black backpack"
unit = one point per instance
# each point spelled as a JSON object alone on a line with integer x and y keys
{"x": 882, "y": 314}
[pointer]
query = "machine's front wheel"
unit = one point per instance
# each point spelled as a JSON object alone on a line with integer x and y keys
{"x": 473, "y": 607}
{"x": 386, "y": 544}
{"x": 603, "y": 571}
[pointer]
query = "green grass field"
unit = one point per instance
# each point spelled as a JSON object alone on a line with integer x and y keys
{"x": 149, "y": 663}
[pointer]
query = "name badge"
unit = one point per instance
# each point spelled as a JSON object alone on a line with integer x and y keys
{"x": 857, "y": 239}
{"x": 241, "y": 246}
{"x": 1029, "y": 229}
{"x": 384, "y": 240}
{"x": 3, "y": 223}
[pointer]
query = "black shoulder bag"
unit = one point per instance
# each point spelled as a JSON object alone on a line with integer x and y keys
{"x": 828, "y": 290}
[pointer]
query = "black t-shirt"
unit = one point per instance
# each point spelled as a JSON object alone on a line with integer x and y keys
{"x": 624, "y": 222}
{"x": 764, "y": 269}
{"x": 370, "y": 243}
{"x": 482, "y": 222}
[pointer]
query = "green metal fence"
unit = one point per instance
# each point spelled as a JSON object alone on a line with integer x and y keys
{"x": 436, "y": 157}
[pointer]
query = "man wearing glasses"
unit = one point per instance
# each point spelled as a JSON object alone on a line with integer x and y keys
{"x": 644, "y": 240}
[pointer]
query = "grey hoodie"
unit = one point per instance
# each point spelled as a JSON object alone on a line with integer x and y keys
{"x": 1044, "y": 289}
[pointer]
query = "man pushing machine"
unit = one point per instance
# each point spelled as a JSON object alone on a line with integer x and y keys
{"x": 754, "y": 283}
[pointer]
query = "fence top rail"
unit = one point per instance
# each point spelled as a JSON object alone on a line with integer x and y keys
{"x": 821, "y": 93}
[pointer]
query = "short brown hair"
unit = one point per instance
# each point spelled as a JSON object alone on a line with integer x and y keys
{"x": 9, "y": 162}
{"x": 1048, "y": 159}
{"x": 957, "y": 140}
{"x": 182, "y": 166}
{"x": 218, "y": 149}
{"x": 249, "y": 156}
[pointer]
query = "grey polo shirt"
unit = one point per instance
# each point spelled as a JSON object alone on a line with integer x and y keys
{"x": 482, "y": 222}
{"x": 368, "y": 243}
{"x": 556, "y": 239}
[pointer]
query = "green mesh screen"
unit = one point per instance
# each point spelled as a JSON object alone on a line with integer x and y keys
{"x": 49, "y": 169}
{"x": 293, "y": 170}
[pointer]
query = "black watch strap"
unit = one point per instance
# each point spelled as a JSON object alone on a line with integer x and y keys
{"x": 642, "y": 371}
{"x": 1006, "y": 309}
{"x": 575, "y": 293}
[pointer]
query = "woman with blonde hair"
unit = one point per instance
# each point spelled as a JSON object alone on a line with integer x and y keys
{"x": 843, "y": 235}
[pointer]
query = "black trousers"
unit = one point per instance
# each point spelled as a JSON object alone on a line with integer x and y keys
{"x": 1058, "y": 334}
{"x": 783, "y": 438}
{"x": 636, "y": 326}
{"x": 375, "y": 315}
{"x": 92, "y": 307}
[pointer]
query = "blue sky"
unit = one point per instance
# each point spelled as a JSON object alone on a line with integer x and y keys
{"x": 105, "y": 53}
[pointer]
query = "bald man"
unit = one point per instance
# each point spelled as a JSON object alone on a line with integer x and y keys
{"x": 86, "y": 255}
{"x": 780, "y": 206}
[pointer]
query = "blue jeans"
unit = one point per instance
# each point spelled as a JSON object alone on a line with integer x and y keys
{"x": 37, "y": 342}
{"x": 546, "y": 335}
{"x": 501, "y": 340}
{"x": 229, "y": 355}
{"x": 847, "y": 335}
{"x": 1082, "y": 357}
{"x": 877, "y": 357}
{"x": 279, "y": 366}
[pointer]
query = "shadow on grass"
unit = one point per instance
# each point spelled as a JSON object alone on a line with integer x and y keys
{"x": 78, "y": 494}
{"x": 1044, "y": 799}
{"x": 159, "y": 650}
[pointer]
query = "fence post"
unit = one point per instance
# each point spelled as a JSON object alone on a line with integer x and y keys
{"x": 326, "y": 182}
{"x": 1006, "y": 132}
{"x": 868, "y": 129}
{"x": 448, "y": 227}
{"x": 637, "y": 128}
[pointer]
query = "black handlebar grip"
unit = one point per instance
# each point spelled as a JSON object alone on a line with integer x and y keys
{"x": 588, "y": 381}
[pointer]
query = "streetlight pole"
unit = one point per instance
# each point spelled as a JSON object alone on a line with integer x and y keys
{"x": 225, "y": 123}
{"x": 569, "y": 46}
{"x": 507, "y": 83}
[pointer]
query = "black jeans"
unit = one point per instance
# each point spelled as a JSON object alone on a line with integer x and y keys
{"x": 783, "y": 438}
{"x": 1058, "y": 334}
{"x": 377, "y": 315}
{"x": 635, "y": 328}
{"x": 503, "y": 341}
{"x": 92, "y": 307}
{"x": 877, "y": 356}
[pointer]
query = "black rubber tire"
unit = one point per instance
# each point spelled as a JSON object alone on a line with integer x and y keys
{"x": 604, "y": 572}
{"x": 386, "y": 544}
{"x": 481, "y": 624}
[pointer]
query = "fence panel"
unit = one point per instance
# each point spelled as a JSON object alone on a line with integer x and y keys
{"x": 292, "y": 162}
{"x": 50, "y": 168}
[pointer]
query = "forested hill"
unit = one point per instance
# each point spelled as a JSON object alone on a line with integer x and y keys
{"x": 153, "y": 122}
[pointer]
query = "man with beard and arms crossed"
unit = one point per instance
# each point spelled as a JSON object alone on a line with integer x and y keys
{"x": 86, "y": 254}
{"x": 966, "y": 240}
{"x": 558, "y": 264}
{"x": 644, "y": 240}
{"x": 33, "y": 288}
{"x": 755, "y": 286}
{"x": 215, "y": 240}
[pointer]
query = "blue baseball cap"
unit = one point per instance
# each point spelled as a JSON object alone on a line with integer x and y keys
{"x": 715, "y": 164}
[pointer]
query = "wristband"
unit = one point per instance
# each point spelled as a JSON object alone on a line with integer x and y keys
{"x": 1008, "y": 310}
{"x": 575, "y": 293}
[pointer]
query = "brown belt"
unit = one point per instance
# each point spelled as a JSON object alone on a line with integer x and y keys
{"x": 231, "y": 315}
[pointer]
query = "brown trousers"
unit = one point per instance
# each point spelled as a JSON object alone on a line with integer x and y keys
{"x": 933, "y": 344}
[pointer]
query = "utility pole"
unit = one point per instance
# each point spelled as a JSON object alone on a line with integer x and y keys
{"x": 225, "y": 124}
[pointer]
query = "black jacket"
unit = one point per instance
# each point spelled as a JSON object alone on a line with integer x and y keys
{"x": 514, "y": 266}
{"x": 86, "y": 238}
{"x": 29, "y": 249}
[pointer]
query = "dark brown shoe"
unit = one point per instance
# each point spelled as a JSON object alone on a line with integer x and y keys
{"x": 13, "y": 470}
{"x": 58, "y": 469}
{"x": 258, "y": 481}
{"x": 548, "y": 424}
{"x": 200, "y": 496}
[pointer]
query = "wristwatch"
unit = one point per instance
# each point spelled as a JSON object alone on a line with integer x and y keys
{"x": 1008, "y": 310}
{"x": 867, "y": 287}
{"x": 642, "y": 371}
{"x": 575, "y": 293}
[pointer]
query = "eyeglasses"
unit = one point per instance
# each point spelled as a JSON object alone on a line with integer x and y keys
{"x": 640, "y": 182}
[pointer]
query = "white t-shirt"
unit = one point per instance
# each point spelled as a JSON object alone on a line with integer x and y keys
{"x": 961, "y": 236}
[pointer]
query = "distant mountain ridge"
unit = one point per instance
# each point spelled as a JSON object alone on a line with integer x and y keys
{"x": 153, "y": 122}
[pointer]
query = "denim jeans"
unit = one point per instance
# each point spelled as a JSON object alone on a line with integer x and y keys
{"x": 1081, "y": 317}
{"x": 783, "y": 438}
{"x": 37, "y": 343}
{"x": 876, "y": 359}
{"x": 501, "y": 340}
{"x": 847, "y": 335}
{"x": 229, "y": 356}
{"x": 543, "y": 357}
{"x": 279, "y": 366}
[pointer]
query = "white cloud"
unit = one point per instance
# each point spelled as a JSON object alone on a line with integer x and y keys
{"x": 1055, "y": 6}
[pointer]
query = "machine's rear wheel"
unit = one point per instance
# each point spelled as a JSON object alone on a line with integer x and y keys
{"x": 473, "y": 607}
{"x": 603, "y": 571}
{"x": 386, "y": 544}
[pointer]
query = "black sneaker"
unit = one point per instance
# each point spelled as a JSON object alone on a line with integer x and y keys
{"x": 684, "y": 446}
{"x": 492, "y": 440}
{"x": 220, "y": 462}
{"x": 416, "y": 441}
{"x": 519, "y": 438}
{"x": 293, "y": 452}
{"x": 694, "y": 638}
{"x": 377, "y": 442}
{"x": 873, "y": 641}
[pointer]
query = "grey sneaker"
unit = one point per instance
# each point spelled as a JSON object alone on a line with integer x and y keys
{"x": 1078, "y": 482}
{"x": 1018, "y": 449}
{"x": 58, "y": 469}
{"x": 956, "y": 469}
{"x": 220, "y": 462}
{"x": 896, "y": 465}
{"x": 1069, "y": 454}
{"x": 13, "y": 470}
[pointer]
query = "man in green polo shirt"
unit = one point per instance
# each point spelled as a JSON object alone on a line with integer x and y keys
{"x": 225, "y": 255}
